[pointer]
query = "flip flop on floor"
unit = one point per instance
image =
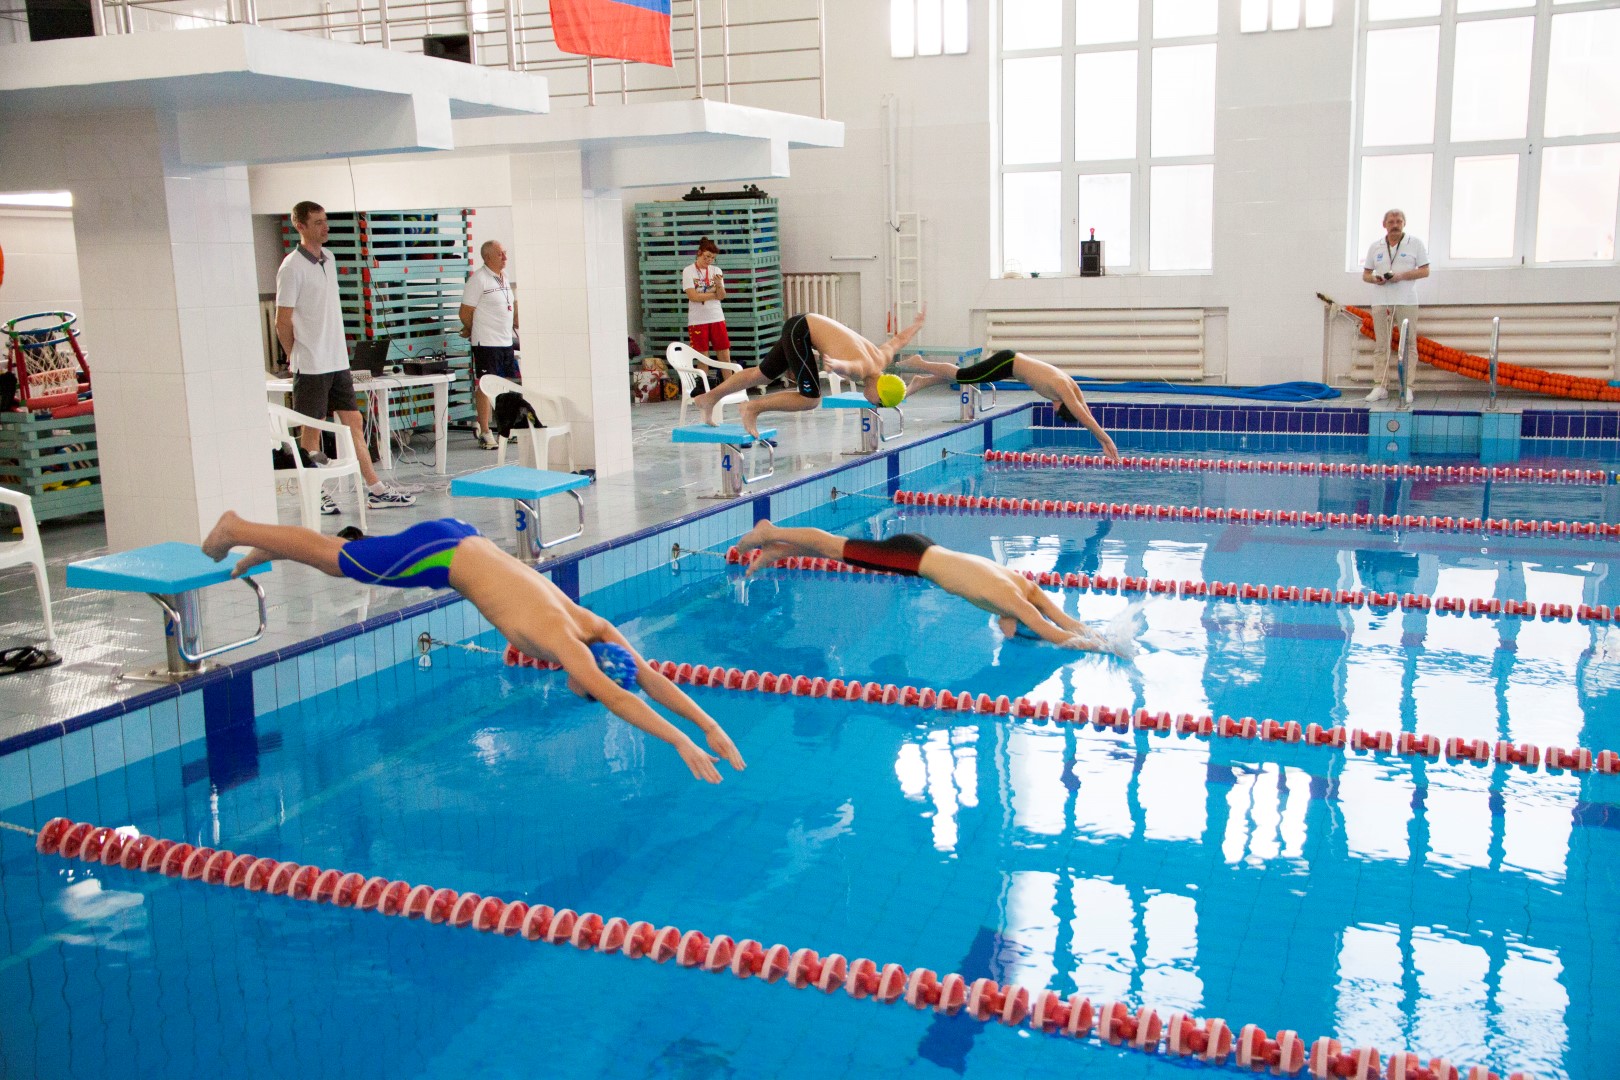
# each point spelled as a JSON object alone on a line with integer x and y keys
{"x": 26, "y": 658}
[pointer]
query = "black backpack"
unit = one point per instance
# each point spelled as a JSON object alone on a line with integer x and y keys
{"x": 512, "y": 411}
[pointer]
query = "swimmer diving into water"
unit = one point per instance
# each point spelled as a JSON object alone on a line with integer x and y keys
{"x": 1015, "y": 600}
{"x": 1038, "y": 375}
{"x": 533, "y": 614}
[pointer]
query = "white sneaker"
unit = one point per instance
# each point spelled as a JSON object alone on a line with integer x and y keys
{"x": 328, "y": 507}
{"x": 388, "y": 499}
{"x": 1378, "y": 394}
{"x": 1408, "y": 395}
{"x": 487, "y": 440}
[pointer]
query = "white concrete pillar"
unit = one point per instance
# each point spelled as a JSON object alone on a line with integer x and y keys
{"x": 171, "y": 309}
{"x": 571, "y": 299}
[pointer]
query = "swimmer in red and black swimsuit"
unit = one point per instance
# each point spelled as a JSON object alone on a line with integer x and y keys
{"x": 1016, "y": 601}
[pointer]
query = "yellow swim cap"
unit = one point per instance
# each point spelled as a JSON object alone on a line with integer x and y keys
{"x": 891, "y": 390}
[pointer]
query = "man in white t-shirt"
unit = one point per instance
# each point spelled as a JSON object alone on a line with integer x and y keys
{"x": 489, "y": 323}
{"x": 309, "y": 325}
{"x": 1395, "y": 264}
{"x": 705, "y": 286}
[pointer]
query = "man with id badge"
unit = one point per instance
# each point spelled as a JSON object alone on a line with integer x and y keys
{"x": 1395, "y": 263}
{"x": 489, "y": 322}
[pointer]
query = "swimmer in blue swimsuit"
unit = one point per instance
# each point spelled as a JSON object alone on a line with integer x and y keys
{"x": 533, "y": 614}
{"x": 1020, "y": 606}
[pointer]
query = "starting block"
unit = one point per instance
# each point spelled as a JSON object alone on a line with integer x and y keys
{"x": 732, "y": 440}
{"x": 973, "y": 402}
{"x": 525, "y": 487}
{"x": 874, "y": 431}
{"x": 171, "y": 574}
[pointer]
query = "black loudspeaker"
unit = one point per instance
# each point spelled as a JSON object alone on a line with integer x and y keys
{"x": 1091, "y": 258}
{"x": 456, "y": 47}
{"x": 49, "y": 20}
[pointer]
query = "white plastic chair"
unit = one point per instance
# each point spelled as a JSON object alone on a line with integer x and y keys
{"x": 28, "y": 551}
{"x": 534, "y": 443}
{"x": 311, "y": 477}
{"x": 683, "y": 361}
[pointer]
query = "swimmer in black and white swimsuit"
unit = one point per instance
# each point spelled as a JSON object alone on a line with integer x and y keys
{"x": 1018, "y": 604}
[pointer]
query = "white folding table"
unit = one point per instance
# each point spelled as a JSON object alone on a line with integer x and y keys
{"x": 377, "y": 389}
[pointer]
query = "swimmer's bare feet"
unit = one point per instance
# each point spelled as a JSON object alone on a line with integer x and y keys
{"x": 749, "y": 412}
{"x": 256, "y": 557}
{"x": 758, "y": 536}
{"x": 706, "y": 404}
{"x": 218, "y": 543}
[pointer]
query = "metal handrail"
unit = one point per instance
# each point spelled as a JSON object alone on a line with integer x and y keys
{"x": 509, "y": 33}
{"x": 1496, "y": 334}
{"x": 180, "y": 625}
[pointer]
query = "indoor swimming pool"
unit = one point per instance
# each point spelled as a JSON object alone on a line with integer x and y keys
{"x": 1403, "y": 902}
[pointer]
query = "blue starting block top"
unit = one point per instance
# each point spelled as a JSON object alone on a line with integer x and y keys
{"x": 516, "y": 482}
{"x": 160, "y": 568}
{"x": 852, "y": 400}
{"x": 732, "y": 434}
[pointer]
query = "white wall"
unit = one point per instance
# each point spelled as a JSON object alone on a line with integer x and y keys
{"x": 42, "y": 268}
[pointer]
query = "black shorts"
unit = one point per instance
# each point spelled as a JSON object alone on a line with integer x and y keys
{"x": 793, "y": 354}
{"x": 319, "y": 396}
{"x": 992, "y": 368}
{"x": 495, "y": 360}
{"x": 899, "y": 554}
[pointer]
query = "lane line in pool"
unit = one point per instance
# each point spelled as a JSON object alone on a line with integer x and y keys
{"x": 1176, "y": 1035}
{"x": 1517, "y": 474}
{"x": 1525, "y": 756}
{"x": 1250, "y": 593}
{"x": 1310, "y": 519}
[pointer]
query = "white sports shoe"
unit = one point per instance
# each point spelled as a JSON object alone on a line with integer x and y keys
{"x": 1378, "y": 394}
{"x": 389, "y": 499}
{"x": 328, "y": 507}
{"x": 1408, "y": 395}
{"x": 487, "y": 440}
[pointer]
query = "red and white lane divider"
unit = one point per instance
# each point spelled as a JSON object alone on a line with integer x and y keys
{"x": 1524, "y": 756}
{"x": 1240, "y": 516}
{"x": 1250, "y": 593}
{"x": 1114, "y": 1023}
{"x": 1517, "y": 474}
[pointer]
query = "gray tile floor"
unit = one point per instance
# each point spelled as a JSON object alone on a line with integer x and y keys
{"x": 100, "y": 633}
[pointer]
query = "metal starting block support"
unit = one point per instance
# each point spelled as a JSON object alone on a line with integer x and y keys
{"x": 732, "y": 440}
{"x": 173, "y": 575}
{"x": 973, "y": 401}
{"x": 525, "y": 487}
{"x": 874, "y": 431}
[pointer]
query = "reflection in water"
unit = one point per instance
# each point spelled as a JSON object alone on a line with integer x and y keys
{"x": 942, "y": 771}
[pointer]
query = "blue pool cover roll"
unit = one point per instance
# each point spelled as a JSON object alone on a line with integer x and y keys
{"x": 1288, "y": 391}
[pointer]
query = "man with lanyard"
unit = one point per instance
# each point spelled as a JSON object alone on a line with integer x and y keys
{"x": 489, "y": 322}
{"x": 309, "y": 325}
{"x": 705, "y": 286}
{"x": 1395, "y": 264}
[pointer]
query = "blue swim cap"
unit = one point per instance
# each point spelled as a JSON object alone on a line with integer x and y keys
{"x": 617, "y": 663}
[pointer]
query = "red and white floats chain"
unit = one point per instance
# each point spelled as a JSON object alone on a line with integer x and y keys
{"x": 1518, "y": 474}
{"x": 1526, "y": 756}
{"x": 1491, "y": 608}
{"x": 1175, "y": 1035}
{"x": 1241, "y": 516}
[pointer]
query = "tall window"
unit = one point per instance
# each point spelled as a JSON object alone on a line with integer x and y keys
{"x": 1506, "y": 113}
{"x": 927, "y": 27}
{"x": 1107, "y": 125}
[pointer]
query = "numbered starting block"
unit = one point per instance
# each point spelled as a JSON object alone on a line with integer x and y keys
{"x": 874, "y": 430}
{"x": 973, "y": 402}
{"x": 526, "y": 487}
{"x": 172, "y": 574}
{"x": 732, "y": 440}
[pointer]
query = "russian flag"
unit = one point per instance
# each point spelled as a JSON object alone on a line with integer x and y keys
{"x": 621, "y": 29}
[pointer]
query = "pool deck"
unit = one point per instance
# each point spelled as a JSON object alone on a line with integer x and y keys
{"x": 100, "y": 633}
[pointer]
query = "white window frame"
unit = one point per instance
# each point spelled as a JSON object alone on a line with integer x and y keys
{"x": 1444, "y": 153}
{"x": 1140, "y": 167}
{"x": 945, "y": 49}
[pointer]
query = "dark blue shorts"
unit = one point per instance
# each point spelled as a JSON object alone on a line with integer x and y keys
{"x": 495, "y": 360}
{"x": 419, "y": 557}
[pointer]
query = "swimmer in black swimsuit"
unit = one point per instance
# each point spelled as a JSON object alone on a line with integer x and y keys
{"x": 534, "y": 615}
{"x": 1038, "y": 375}
{"x": 1015, "y": 600}
{"x": 805, "y": 338}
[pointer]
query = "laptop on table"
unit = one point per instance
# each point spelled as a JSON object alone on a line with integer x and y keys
{"x": 370, "y": 355}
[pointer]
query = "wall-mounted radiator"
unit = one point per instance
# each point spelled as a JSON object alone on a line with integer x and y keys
{"x": 806, "y": 293}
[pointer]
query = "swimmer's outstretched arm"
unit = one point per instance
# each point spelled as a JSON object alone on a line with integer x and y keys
{"x": 673, "y": 698}
{"x": 577, "y": 661}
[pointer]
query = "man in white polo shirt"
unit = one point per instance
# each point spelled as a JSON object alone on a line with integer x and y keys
{"x": 1395, "y": 263}
{"x": 489, "y": 323}
{"x": 309, "y": 324}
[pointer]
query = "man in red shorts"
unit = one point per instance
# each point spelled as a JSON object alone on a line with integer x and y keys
{"x": 705, "y": 286}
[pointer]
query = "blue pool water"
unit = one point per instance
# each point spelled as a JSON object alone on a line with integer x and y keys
{"x": 1453, "y": 910}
